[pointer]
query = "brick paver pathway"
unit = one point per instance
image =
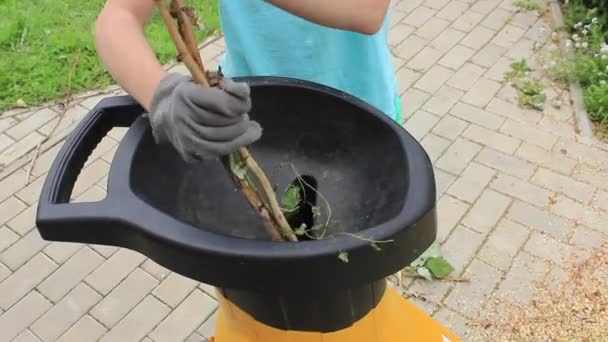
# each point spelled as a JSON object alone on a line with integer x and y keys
{"x": 518, "y": 190}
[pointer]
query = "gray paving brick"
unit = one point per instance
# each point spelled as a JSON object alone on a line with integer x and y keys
{"x": 539, "y": 32}
{"x": 456, "y": 57}
{"x": 419, "y": 124}
{"x": 20, "y": 148}
{"x": 482, "y": 92}
{"x": 508, "y": 93}
{"x": 460, "y": 247}
{"x": 535, "y": 218}
{"x": 65, "y": 313}
{"x": 399, "y": 33}
{"x": 10, "y": 208}
{"x": 182, "y": 322}
{"x": 521, "y": 189}
{"x": 477, "y": 116}
{"x": 412, "y": 100}
{"x": 22, "y": 315}
{"x": 506, "y": 163}
{"x": 419, "y": 16}
{"x": 409, "y": 6}
{"x": 71, "y": 116}
{"x": 486, "y": 211}
{"x": 4, "y": 273}
{"x": 478, "y": 37}
{"x": 23, "y": 250}
{"x": 395, "y": 17}
{"x": 466, "y": 76}
{"x": 7, "y": 123}
{"x": 22, "y": 281}
{"x": 45, "y": 159}
{"x": 468, "y": 21}
{"x": 472, "y": 182}
{"x": 31, "y": 192}
{"x": 432, "y": 28}
{"x": 552, "y": 160}
{"x": 86, "y": 329}
{"x": 434, "y": 79}
{"x": 450, "y": 127}
{"x": 564, "y": 129}
{"x": 436, "y": 4}
{"x": 496, "y": 19}
{"x": 590, "y": 155}
{"x": 469, "y": 298}
{"x": 586, "y": 238}
{"x": 503, "y": 244}
{"x": 452, "y": 10}
{"x": 425, "y": 59}
{"x": 432, "y": 292}
{"x": 434, "y": 145}
{"x": 397, "y": 62}
{"x": 154, "y": 269}
{"x": 516, "y": 114}
{"x": 546, "y": 247}
{"x": 485, "y": 6}
{"x": 443, "y": 181}
{"x": 509, "y": 5}
{"x": 26, "y": 336}
{"x": 520, "y": 281}
{"x": 32, "y": 123}
{"x": 59, "y": 252}
{"x": 590, "y": 217}
{"x": 508, "y": 36}
{"x": 449, "y": 212}
{"x": 600, "y": 200}
{"x": 24, "y": 222}
{"x": 578, "y": 190}
{"x": 173, "y": 289}
{"x": 488, "y": 56}
{"x": 530, "y": 134}
{"x": 139, "y": 322}
{"x": 443, "y": 100}
{"x": 498, "y": 70}
{"x": 8, "y": 237}
{"x": 207, "y": 329}
{"x": 491, "y": 139}
{"x": 523, "y": 49}
{"x": 447, "y": 39}
{"x": 114, "y": 270}
{"x": 5, "y": 142}
{"x": 452, "y": 321}
{"x": 458, "y": 156}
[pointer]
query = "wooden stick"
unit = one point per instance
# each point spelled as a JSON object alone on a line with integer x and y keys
{"x": 185, "y": 28}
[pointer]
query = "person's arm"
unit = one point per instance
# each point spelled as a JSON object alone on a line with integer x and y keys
{"x": 363, "y": 16}
{"x": 123, "y": 49}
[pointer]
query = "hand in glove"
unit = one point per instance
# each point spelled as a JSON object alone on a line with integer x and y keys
{"x": 202, "y": 122}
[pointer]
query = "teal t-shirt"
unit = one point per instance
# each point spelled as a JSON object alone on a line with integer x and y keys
{"x": 264, "y": 40}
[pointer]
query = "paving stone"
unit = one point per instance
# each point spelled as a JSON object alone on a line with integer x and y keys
{"x": 447, "y": 39}
{"x": 478, "y": 37}
{"x": 59, "y": 252}
{"x": 523, "y": 49}
{"x": 540, "y": 156}
{"x": 89, "y": 176}
{"x": 114, "y": 270}
{"x": 530, "y": 134}
{"x": 432, "y": 292}
{"x": 207, "y": 329}
{"x": 24, "y": 249}
{"x": 452, "y": 321}
{"x": 546, "y": 247}
{"x": 139, "y": 322}
{"x": 520, "y": 281}
{"x": 456, "y": 57}
{"x": 70, "y": 274}
{"x": 452, "y": 10}
{"x": 521, "y": 189}
{"x": 20, "y": 148}
{"x": 419, "y": 124}
{"x": 508, "y": 93}
{"x": 499, "y": 69}
{"x": 419, "y": 16}
{"x": 92, "y": 101}
{"x": 117, "y": 133}
{"x": 65, "y": 313}
{"x": 397, "y": 62}
{"x": 449, "y": 212}
{"x": 443, "y": 100}
{"x": 485, "y": 6}
{"x": 486, "y": 211}
{"x": 491, "y": 139}
{"x": 5, "y": 142}
{"x": 564, "y": 129}
{"x": 488, "y": 56}
{"x": 26, "y": 336}
{"x": 590, "y": 217}
{"x": 92, "y": 194}
{"x": 106, "y": 144}
{"x": 211, "y": 291}
{"x": 436, "y": 4}
{"x": 468, "y": 21}
{"x": 450, "y": 127}
{"x": 578, "y": 190}
{"x": 71, "y": 116}
{"x": 209, "y": 52}
{"x": 10, "y": 184}
{"x": 432, "y": 28}
{"x": 124, "y": 297}
{"x": 539, "y": 32}
{"x": 443, "y": 181}
{"x": 477, "y": 116}
{"x": 600, "y": 200}
{"x": 425, "y": 59}
{"x": 503, "y": 244}
{"x": 434, "y": 79}
{"x": 472, "y": 182}
{"x": 396, "y": 17}
{"x": 31, "y": 192}
{"x": 458, "y": 156}
{"x": 408, "y": 6}
{"x": 496, "y": 19}
{"x": 460, "y": 247}
{"x": 412, "y": 100}
{"x": 32, "y": 123}
{"x": 590, "y": 155}
{"x": 465, "y": 77}
{"x": 9, "y": 208}
{"x": 506, "y": 163}
{"x": 105, "y": 251}
{"x": 154, "y": 269}
{"x": 508, "y": 36}
{"x": 7, "y": 123}
{"x": 8, "y": 237}
{"x": 406, "y": 77}
{"x": 434, "y": 145}
{"x": 24, "y": 222}
{"x": 185, "y": 319}
{"x": 4, "y": 273}
{"x": 535, "y": 218}
{"x": 399, "y": 33}
{"x": 481, "y": 93}
{"x": 45, "y": 159}
{"x": 22, "y": 281}
{"x": 469, "y": 298}
{"x": 410, "y": 47}
{"x": 173, "y": 289}
{"x": 518, "y": 115}
{"x": 86, "y": 329}
{"x": 24, "y": 313}
{"x": 586, "y": 238}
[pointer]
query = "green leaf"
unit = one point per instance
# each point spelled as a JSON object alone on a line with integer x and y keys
{"x": 375, "y": 247}
{"x": 291, "y": 198}
{"x": 301, "y": 230}
{"x": 439, "y": 267}
{"x": 343, "y": 256}
{"x": 424, "y": 272}
{"x": 238, "y": 168}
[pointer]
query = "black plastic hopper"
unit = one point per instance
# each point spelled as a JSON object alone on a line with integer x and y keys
{"x": 190, "y": 219}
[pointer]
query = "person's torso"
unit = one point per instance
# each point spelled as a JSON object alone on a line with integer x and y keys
{"x": 263, "y": 40}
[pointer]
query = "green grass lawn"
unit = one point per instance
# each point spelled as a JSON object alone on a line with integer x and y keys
{"x": 39, "y": 39}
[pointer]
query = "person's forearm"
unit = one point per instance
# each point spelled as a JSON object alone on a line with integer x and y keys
{"x": 363, "y": 16}
{"x": 124, "y": 51}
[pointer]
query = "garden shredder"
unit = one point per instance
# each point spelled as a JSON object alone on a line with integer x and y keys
{"x": 376, "y": 180}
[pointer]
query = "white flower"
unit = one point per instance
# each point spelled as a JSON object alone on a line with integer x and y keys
{"x": 585, "y": 45}
{"x": 575, "y": 37}
{"x": 602, "y": 82}
{"x": 577, "y": 45}
{"x": 594, "y": 21}
{"x": 585, "y": 32}
{"x": 604, "y": 48}
{"x": 606, "y": 67}
{"x": 586, "y": 27}
{"x": 604, "y": 57}
{"x": 568, "y": 43}
{"x": 577, "y": 25}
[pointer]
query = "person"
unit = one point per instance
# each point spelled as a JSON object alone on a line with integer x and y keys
{"x": 340, "y": 43}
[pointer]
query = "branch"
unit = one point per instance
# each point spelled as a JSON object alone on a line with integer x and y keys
{"x": 185, "y": 28}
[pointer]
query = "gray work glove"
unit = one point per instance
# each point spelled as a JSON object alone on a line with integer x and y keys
{"x": 202, "y": 122}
